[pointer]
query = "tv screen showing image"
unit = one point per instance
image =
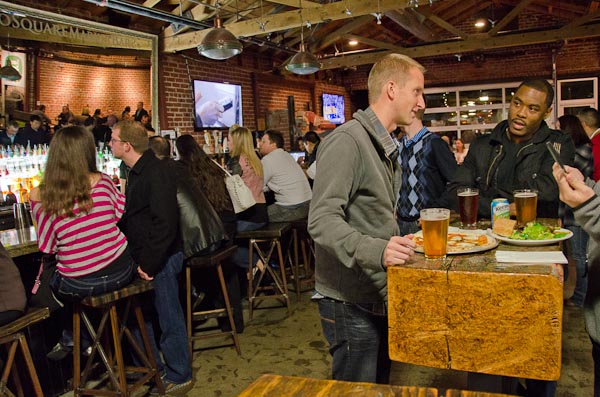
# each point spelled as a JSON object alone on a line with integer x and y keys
{"x": 333, "y": 108}
{"x": 217, "y": 105}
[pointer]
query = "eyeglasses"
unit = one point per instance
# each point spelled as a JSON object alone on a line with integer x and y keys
{"x": 112, "y": 140}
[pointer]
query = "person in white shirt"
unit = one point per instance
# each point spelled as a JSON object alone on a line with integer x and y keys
{"x": 284, "y": 177}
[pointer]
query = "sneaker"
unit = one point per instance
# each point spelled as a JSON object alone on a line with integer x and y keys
{"x": 59, "y": 351}
{"x": 174, "y": 389}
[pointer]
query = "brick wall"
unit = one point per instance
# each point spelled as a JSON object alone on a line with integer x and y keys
{"x": 80, "y": 85}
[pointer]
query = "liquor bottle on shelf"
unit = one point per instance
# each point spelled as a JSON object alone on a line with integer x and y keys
{"x": 10, "y": 197}
{"x": 23, "y": 194}
{"x": 115, "y": 177}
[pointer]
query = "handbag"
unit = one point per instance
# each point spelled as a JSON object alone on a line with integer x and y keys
{"x": 41, "y": 293}
{"x": 240, "y": 194}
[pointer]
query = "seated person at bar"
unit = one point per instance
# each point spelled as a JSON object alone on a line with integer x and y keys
{"x": 10, "y": 136}
{"x": 514, "y": 156}
{"x": 12, "y": 292}
{"x": 33, "y": 134}
{"x": 76, "y": 209}
{"x": 284, "y": 177}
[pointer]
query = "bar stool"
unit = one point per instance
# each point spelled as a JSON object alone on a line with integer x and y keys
{"x": 302, "y": 238}
{"x": 107, "y": 304}
{"x": 12, "y": 336}
{"x": 212, "y": 260}
{"x": 270, "y": 239}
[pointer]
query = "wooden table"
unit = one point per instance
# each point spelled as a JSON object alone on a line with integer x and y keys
{"x": 471, "y": 313}
{"x": 269, "y": 385}
{"x": 19, "y": 242}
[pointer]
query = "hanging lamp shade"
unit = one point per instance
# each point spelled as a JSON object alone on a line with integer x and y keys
{"x": 9, "y": 73}
{"x": 303, "y": 62}
{"x": 220, "y": 43}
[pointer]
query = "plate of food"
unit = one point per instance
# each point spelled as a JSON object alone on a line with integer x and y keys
{"x": 532, "y": 235}
{"x": 462, "y": 241}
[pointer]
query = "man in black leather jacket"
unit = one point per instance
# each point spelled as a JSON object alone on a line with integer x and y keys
{"x": 514, "y": 155}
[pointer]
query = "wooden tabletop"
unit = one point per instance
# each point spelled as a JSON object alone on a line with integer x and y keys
{"x": 269, "y": 385}
{"x": 471, "y": 313}
{"x": 19, "y": 242}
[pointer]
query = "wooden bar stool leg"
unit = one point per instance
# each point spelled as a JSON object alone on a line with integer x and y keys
{"x": 188, "y": 309}
{"x": 16, "y": 380}
{"x": 114, "y": 325}
{"x": 251, "y": 265}
{"x": 296, "y": 264}
{"x": 234, "y": 334}
{"x": 283, "y": 277}
{"x": 30, "y": 367}
{"x": 76, "y": 349}
{"x": 149, "y": 353}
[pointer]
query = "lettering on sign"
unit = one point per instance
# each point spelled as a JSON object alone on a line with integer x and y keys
{"x": 38, "y": 27}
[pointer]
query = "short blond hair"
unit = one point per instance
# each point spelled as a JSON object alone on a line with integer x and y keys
{"x": 134, "y": 133}
{"x": 391, "y": 67}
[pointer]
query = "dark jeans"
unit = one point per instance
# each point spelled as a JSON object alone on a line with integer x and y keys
{"x": 509, "y": 385}
{"x": 578, "y": 252}
{"x": 358, "y": 340}
{"x": 173, "y": 338}
{"x": 241, "y": 254}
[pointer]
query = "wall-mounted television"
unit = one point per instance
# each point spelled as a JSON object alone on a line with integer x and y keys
{"x": 217, "y": 105}
{"x": 333, "y": 108}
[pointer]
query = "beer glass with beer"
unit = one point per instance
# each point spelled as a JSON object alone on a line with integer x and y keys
{"x": 468, "y": 198}
{"x": 526, "y": 205}
{"x": 434, "y": 223}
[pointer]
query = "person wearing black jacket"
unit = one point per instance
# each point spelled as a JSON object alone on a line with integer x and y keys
{"x": 514, "y": 156}
{"x": 152, "y": 229}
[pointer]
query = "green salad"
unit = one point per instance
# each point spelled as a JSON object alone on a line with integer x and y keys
{"x": 537, "y": 231}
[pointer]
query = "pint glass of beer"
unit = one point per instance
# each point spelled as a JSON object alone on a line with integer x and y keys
{"x": 468, "y": 199}
{"x": 434, "y": 223}
{"x": 526, "y": 205}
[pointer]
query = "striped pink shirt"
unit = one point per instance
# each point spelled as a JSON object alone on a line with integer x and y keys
{"x": 85, "y": 243}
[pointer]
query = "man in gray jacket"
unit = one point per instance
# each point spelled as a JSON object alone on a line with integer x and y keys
{"x": 583, "y": 196}
{"x": 353, "y": 225}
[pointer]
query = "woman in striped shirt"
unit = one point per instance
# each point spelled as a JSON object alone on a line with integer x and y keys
{"x": 77, "y": 209}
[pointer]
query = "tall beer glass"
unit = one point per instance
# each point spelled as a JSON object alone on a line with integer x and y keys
{"x": 468, "y": 198}
{"x": 526, "y": 205}
{"x": 434, "y": 223}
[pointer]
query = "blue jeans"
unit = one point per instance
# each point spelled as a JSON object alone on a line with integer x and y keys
{"x": 173, "y": 338}
{"x": 358, "y": 340}
{"x": 578, "y": 252}
{"x": 241, "y": 254}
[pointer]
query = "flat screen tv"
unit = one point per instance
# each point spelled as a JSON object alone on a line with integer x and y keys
{"x": 217, "y": 105}
{"x": 333, "y": 108}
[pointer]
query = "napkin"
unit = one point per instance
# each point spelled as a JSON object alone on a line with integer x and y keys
{"x": 531, "y": 257}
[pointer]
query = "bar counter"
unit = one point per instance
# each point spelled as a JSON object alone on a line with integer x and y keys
{"x": 19, "y": 242}
{"x": 471, "y": 313}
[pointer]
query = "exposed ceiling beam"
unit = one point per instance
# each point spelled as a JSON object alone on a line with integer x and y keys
{"x": 198, "y": 14}
{"x": 344, "y": 29}
{"x": 374, "y": 43}
{"x": 479, "y": 42}
{"x": 150, "y": 3}
{"x": 410, "y": 22}
{"x": 296, "y": 3}
{"x": 287, "y": 20}
{"x": 443, "y": 24}
{"x": 509, "y": 17}
{"x": 583, "y": 20}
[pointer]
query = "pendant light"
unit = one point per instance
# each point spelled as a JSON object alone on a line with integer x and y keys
{"x": 219, "y": 43}
{"x": 303, "y": 62}
{"x": 8, "y": 72}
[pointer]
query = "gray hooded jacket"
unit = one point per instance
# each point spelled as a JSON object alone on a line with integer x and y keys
{"x": 352, "y": 212}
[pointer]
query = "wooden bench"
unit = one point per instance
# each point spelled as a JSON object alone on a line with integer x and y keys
{"x": 265, "y": 241}
{"x": 11, "y": 336}
{"x": 212, "y": 260}
{"x": 118, "y": 327}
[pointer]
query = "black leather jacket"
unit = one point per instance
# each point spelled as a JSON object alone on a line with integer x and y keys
{"x": 533, "y": 169}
